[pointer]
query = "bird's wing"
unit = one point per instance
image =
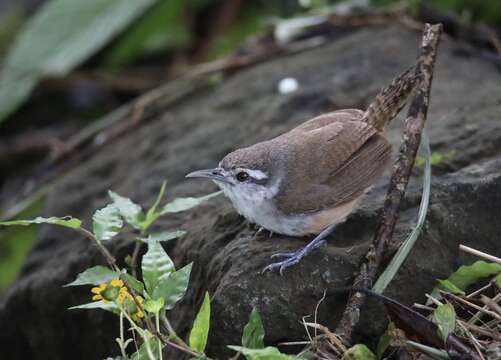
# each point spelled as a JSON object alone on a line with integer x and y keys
{"x": 338, "y": 162}
{"x": 329, "y": 118}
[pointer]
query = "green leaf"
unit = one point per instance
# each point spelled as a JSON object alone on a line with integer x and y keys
{"x": 66, "y": 221}
{"x": 468, "y": 275}
{"x": 134, "y": 283}
{"x": 131, "y": 212}
{"x": 173, "y": 287}
{"x": 156, "y": 264}
{"x": 163, "y": 236}
{"x": 108, "y": 306}
{"x": 162, "y": 27}
{"x": 498, "y": 280}
{"x": 359, "y": 352}
{"x": 450, "y": 287}
{"x": 384, "y": 341}
{"x": 445, "y": 318}
{"x": 253, "y": 334}
{"x": 200, "y": 331}
{"x": 59, "y": 37}
{"x": 107, "y": 222}
{"x": 430, "y": 351}
{"x": 183, "y": 204}
{"x": 94, "y": 276}
{"x": 267, "y": 353}
{"x": 154, "y": 306}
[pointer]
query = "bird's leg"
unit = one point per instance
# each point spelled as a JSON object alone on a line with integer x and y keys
{"x": 293, "y": 257}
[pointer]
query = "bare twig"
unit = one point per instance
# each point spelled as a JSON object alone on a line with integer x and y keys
{"x": 472, "y": 305}
{"x": 480, "y": 254}
{"x": 411, "y": 139}
{"x": 481, "y": 330}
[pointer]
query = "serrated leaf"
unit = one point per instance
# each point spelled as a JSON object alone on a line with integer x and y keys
{"x": 131, "y": 212}
{"x": 94, "y": 276}
{"x": 163, "y": 236}
{"x": 59, "y": 37}
{"x": 200, "y": 331}
{"x": 173, "y": 287}
{"x": 183, "y": 204}
{"x": 359, "y": 352}
{"x": 156, "y": 264}
{"x": 108, "y": 306}
{"x": 267, "y": 353}
{"x": 134, "y": 283}
{"x": 253, "y": 333}
{"x": 66, "y": 221}
{"x": 445, "y": 318}
{"x": 107, "y": 222}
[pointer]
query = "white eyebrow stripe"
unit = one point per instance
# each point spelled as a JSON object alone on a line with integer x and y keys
{"x": 256, "y": 174}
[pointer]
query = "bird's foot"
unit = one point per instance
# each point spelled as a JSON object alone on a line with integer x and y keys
{"x": 293, "y": 257}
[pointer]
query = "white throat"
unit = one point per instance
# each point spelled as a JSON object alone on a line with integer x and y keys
{"x": 255, "y": 203}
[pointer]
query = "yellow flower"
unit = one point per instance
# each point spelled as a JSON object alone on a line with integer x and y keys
{"x": 117, "y": 283}
{"x": 108, "y": 291}
{"x": 97, "y": 291}
{"x": 138, "y": 315}
{"x": 122, "y": 295}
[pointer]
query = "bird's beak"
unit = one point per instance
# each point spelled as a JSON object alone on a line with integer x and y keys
{"x": 216, "y": 174}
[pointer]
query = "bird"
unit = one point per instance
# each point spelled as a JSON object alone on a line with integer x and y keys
{"x": 309, "y": 179}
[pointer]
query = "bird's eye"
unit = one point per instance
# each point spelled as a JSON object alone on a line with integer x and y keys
{"x": 242, "y": 176}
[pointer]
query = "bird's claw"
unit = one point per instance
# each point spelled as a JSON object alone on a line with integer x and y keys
{"x": 284, "y": 254}
{"x": 292, "y": 258}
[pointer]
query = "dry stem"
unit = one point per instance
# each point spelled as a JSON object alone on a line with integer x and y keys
{"x": 411, "y": 139}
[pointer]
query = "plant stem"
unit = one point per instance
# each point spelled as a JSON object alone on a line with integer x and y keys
{"x": 107, "y": 255}
{"x": 157, "y": 322}
{"x": 135, "y": 256}
{"x": 122, "y": 339}
{"x": 140, "y": 332}
{"x": 172, "y": 332}
{"x": 112, "y": 263}
{"x": 415, "y": 121}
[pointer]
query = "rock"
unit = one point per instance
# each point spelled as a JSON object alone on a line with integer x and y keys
{"x": 228, "y": 258}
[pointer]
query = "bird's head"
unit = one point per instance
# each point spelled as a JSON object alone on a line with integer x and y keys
{"x": 244, "y": 175}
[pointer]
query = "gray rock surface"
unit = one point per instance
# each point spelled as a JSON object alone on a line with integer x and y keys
{"x": 464, "y": 123}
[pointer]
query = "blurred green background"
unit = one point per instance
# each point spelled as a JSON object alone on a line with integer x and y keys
{"x": 66, "y": 63}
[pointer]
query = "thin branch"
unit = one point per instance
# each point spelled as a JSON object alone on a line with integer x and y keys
{"x": 415, "y": 122}
{"x": 479, "y": 253}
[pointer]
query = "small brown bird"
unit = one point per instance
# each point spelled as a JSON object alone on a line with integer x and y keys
{"x": 311, "y": 178}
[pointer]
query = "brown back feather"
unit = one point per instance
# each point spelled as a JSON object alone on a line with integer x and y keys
{"x": 338, "y": 158}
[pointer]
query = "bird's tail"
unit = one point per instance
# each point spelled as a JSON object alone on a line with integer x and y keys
{"x": 391, "y": 99}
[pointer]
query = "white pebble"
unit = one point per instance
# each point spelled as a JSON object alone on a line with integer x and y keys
{"x": 287, "y": 85}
